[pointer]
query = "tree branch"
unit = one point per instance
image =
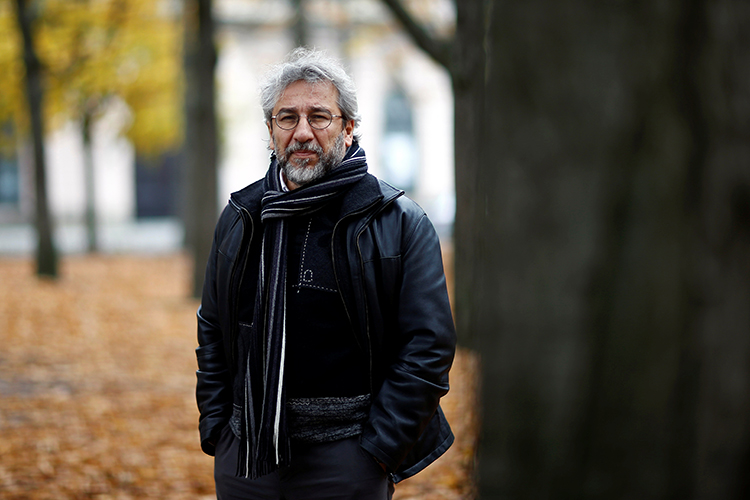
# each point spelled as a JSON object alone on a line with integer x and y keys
{"x": 439, "y": 50}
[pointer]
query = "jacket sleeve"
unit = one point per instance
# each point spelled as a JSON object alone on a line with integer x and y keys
{"x": 213, "y": 389}
{"x": 425, "y": 341}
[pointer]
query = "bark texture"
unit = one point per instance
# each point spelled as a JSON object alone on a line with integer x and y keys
{"x": 613, "y": 299}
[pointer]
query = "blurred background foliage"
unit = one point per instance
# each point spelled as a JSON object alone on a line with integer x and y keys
{"x": 96, "y": 52}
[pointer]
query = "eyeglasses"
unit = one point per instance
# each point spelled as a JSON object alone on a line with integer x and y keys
{"x": 319, "y": 120}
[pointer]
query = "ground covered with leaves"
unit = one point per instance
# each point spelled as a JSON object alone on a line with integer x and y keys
{"x": 97, "y": 374}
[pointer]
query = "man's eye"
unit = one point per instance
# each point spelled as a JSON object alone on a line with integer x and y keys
{"x": 287, "y": 118}
{"x": 319, "y": 118}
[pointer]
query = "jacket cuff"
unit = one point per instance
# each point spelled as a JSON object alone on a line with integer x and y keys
{"x": 210, "y": 431}
{"x": 209, "y": 447}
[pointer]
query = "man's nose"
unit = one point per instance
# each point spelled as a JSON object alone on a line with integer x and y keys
{"x": 303, "y": 132}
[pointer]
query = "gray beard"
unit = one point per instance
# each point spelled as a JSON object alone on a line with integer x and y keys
{"x": 299, "y": 172}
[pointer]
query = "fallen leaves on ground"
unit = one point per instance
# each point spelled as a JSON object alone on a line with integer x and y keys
{"x": 97, "y": 377}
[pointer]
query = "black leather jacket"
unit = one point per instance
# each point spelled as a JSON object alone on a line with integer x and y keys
{"x": 389, "y": 269}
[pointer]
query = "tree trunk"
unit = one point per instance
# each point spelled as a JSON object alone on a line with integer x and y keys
{"x": 201, "y": 150}
{"x": 467, "y": 76}
{"x": 46, "y": 255}
{"x": 300, "y": 27}
{"x": 613, "y": 296}
{"x": 90, "y": 184}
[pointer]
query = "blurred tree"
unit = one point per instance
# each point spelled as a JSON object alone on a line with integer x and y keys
{"x": 201, "y": 154}
{"x": 96, "y": 52}
{"x": 100, "y": 51}
{"x": 46, "y": 256}
{"x": 611, "y": 226}
{"x": 617, "y": 281}
{"x": 300, "y": 28}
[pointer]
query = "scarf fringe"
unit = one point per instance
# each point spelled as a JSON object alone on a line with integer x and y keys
{"x": 264, "y": 462}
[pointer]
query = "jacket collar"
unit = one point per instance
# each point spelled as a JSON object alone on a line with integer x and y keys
{"x": 249, "y": 197}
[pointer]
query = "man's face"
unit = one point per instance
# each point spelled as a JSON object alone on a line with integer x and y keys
{"x": 305, "y": 153}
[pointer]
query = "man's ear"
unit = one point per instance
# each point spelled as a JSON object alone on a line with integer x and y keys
{"x": 349, "y": 133}
{"x": 271, "y": 145}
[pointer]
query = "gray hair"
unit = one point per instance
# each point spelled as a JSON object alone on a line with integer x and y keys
{"x": 312, "y": 66}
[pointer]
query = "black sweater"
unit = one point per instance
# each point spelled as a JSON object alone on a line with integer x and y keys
{"x": 323, "y": 357}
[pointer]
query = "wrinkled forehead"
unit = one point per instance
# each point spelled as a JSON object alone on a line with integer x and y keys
{"x": 301, "y": 95}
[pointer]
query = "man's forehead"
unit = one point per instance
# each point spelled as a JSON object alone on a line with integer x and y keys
{"x": 322, "y": 94}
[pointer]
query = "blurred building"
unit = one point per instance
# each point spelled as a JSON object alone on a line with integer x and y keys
{"x": 407, "y": 126}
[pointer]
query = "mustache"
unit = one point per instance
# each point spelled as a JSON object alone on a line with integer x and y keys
{"x": 298, "y": 146}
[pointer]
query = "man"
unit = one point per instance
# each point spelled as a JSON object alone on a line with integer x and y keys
{"x": 325, "y": 333}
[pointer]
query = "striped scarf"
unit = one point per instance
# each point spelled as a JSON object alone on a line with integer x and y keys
{"x": 263, "y": 429}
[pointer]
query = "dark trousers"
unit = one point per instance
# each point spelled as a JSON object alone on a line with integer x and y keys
{"x": 329, "y": 471}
